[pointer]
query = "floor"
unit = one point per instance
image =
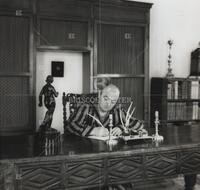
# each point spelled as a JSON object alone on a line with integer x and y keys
{"x": 170, "y": 184}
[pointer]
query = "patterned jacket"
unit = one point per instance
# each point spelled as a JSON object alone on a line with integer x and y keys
{"x": 80, "y": 123}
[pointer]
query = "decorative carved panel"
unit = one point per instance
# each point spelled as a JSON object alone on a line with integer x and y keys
{"x": 64, "y": 8}
{"x": 14, "y": 99}
{"x": 14, "y": 40}
{"x": 163, "y": 164}
{"x": 119, "y": 13}
{"x": 125, "y": 169}
{"x": 6, "y": 176}
{"x": 16, "y": 75}
{"x": 40, "y": 176}
{"x": 84, "y": 173}
{"x": 63, "y": 33}
{"x": 189, "y": 161}
{"x": 120, "y": 49}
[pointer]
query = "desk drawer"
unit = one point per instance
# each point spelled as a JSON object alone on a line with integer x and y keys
{"x": 39, "y": 175}
{"x": 190, "y": 161}
{"x": 161, "y": 165}
{"x": 125, "y": 169}
{"x": 84, "y": 173}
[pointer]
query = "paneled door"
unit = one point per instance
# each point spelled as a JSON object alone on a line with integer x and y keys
{"x": 121, "y": 51}
{"x": 15, "y": 75}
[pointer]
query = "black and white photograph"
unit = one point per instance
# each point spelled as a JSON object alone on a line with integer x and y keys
{"x": 99, "y": 95}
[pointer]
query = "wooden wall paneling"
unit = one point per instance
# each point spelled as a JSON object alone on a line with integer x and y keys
{"x": 78, "y": 32}
{"x": 131, "y": 89}
{"x": 103, "y": 11}
{"x": 14, "y": 103}
{"x": 121, "y": 46}
{"x": 52, "y": 32}
{"x": 32, "y": 69}
{"x": 13, "y": 39}
{"x": 15, "y": 75}
{"x": 120, "y": 49}
{"x": 91, "y": 55}
{"x": 64, "y": 9}
{"x": 120, "y": 54}
{"x": 61, "y": 32}
{"x": 146, "y": 71}
{"x": 8, "y": 5}
{"x": 86, "y": 72}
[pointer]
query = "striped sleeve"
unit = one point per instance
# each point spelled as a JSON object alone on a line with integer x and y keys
{"x": 78, "y": 124}
{"x": 117, "y": 120}
{"x": 136, "y": 125}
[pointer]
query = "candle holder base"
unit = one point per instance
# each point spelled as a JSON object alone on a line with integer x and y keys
{"x": 111, "y": 142}
{"x": 158, "y": 138}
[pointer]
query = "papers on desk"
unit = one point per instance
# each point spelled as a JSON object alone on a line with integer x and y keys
{"x": 103, "y": 138}
{"x": 136, "y": 137}
{"x": 125, "y": 138}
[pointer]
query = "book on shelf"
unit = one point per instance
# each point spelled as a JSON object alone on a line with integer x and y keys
{"x": 169, "y": 91}
{"x": 183, "y": 111}
{"x": 194, "y": 91}
{"x": 195, "y": 110}
{"x": 184, "y": 89}
{"x": 176, "y": 90}
{"x": 179, "y": 101}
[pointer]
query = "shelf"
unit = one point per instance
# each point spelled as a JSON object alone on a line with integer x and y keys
{"x": 69, "y": 48}
{"x": 174, "y": 102}
{"x": 183, "y": 100}
{"x": 187, "y": 120}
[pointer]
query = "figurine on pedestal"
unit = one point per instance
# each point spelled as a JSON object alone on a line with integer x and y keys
{"x": 49, "y": 93}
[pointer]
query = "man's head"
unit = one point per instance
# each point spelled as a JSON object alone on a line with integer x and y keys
{"x": 108, "y": 98}
{"x": 101, "y": 82}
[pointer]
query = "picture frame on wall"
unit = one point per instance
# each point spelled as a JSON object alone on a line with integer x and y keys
{"x": 57, "y": 68}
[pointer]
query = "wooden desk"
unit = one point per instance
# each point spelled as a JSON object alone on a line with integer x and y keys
{"x": 83, "y": 163}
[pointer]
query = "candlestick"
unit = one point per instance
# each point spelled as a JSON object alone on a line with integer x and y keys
{"x": 111, "y": 142}
{"x": 157, "y": 137}
{"x": 156, "y": 122}
{"x": 156, "y": 114}
{"x": 110, "y": 125}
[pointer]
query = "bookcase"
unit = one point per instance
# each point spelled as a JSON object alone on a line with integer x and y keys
{"x": 176, "y": 99}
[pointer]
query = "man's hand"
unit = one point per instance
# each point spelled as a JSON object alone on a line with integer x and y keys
{"x": 144, "y": 132}
{"x": 116, "y": 131}
{"x": 99, "y": 132}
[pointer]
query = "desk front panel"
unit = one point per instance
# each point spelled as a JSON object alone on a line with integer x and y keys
{"x": 83, "y": 163}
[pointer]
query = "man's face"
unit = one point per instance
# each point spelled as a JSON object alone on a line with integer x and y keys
{"x": 107, "y": 100}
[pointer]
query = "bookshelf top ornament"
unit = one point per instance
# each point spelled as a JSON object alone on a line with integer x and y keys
{"x": 169, "y": 70}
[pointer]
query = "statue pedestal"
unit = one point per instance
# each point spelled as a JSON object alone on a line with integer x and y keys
{"x": 50, "y": 142}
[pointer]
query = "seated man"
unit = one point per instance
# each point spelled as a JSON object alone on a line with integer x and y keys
{"x": 81, "y": 123}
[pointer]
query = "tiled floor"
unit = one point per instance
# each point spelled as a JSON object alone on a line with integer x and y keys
{"x": 170, "y": 184}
